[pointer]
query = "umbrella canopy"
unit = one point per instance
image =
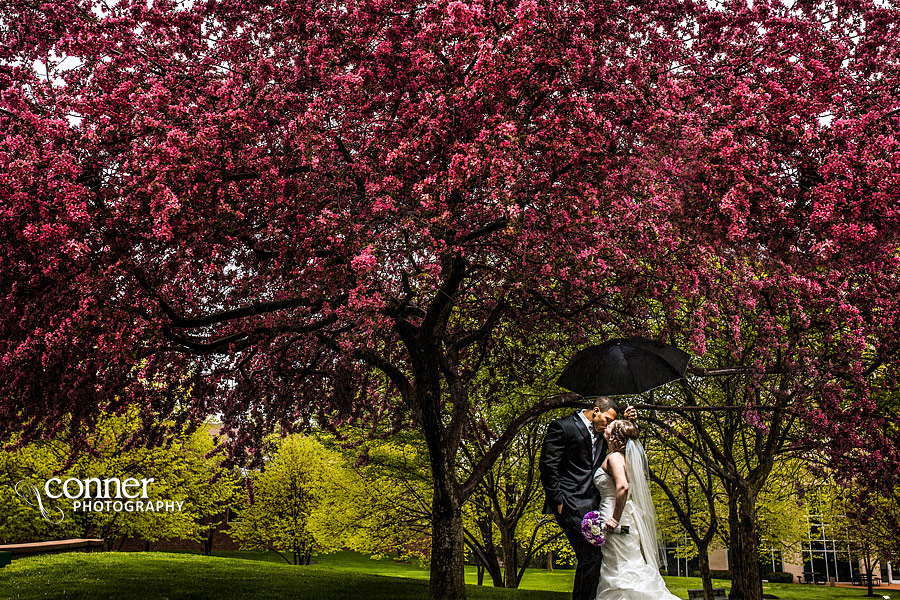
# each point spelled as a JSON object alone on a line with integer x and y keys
{"x": 622, "y": 367}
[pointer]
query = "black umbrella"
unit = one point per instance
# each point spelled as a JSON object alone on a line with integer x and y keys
{"x": 622, "y": 367}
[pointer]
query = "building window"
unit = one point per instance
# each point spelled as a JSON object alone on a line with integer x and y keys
{"x": 680, "y": 567}
{"x": 827, "y": 552}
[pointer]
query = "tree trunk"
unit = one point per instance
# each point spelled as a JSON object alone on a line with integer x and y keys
{"x": 743, "y": 554}
{"x": 868, "y": 562}
{"x": 487, "y": 561}
{"x": 447, "y": 543}
{"x": 447, "y": 531}
{"x": 510, "y": 564}
{"x": 208, "y": 541}
{"x": 549, "y": 560}
{"x": 703, "y": 558}
{"x": 488, "y": 552}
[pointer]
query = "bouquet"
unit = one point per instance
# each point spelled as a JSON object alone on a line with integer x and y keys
{"x": 592, "y": 528}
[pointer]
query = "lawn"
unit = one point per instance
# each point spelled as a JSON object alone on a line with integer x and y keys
{"x": 561, "y": 580}
{"x": 184, "y": 576}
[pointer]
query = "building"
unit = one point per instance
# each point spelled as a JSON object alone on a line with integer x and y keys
{"x": 826, "y": 552}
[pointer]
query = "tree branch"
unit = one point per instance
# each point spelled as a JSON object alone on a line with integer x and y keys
{"x": 544, "y": 405}
{"x": 176, "y": 320}
{"x": 735, "y": 370}
{"x": 482, "y": 331}
{"x": 484, "y": 231}
{"x": 437, "y": 313}
{"x": 360, "y": 183}
{"x": 244, "y": 175}
{"x": 533, "y": 550}
{"x": 397, "y": 377}
{"x": 681, "y": 408}
{"x": 209, "y": 347}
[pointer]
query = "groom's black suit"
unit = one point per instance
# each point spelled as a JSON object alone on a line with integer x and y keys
{"x": 567, "y": 474}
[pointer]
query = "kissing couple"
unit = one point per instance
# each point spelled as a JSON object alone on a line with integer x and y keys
{"x": 593, "y": 461}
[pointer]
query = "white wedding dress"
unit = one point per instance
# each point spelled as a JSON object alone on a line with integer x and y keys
{"x": 625, "y": 574}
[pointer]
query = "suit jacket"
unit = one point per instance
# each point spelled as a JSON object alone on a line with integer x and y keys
{"x": 567, "y": 471}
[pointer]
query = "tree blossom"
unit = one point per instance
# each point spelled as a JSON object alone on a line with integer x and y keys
{"x": 296, "y": 213}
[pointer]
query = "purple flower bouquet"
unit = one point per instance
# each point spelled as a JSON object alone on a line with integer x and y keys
{"x": 592, "y": 528}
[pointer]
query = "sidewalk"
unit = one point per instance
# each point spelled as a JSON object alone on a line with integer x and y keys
{"x": 894, "y": 587}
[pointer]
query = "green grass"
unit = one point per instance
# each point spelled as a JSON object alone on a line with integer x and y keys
{"x": 345, "y": 575}
{"x": 182, "y": 576}
{"x": 561, "y": 580}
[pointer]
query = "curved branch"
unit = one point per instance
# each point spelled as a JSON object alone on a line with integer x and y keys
{"x": 569, "y": 399}
{"x": 484, "y": 231}
{"x": 437, "y": 314}
{"x": 569, "y": 314}
{"x": 533, "y": 550}
{"x": 253, "y": 310}
{"x": 397, "y": 377}
{"x": 482, "y": 332}
{"x": 735, "y": 370}
{"x": 180, "y": 322}
{"x": 682, "y": 408}
{"x": 373, "y": 359}
{"x": 209, "y": 347}
{"x": 212, "y": 346}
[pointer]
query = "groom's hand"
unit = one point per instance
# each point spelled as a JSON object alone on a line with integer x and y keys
{"x": 559, "y": 509}
{"x": 631, "y": 414}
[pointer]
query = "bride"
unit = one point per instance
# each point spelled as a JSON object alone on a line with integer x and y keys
{"x": 630, "y": 561}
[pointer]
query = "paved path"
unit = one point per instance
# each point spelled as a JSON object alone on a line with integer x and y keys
{"x": 893, "y": 587}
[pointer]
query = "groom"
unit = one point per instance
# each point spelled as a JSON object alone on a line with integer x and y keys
{"x": 573, "y": 449}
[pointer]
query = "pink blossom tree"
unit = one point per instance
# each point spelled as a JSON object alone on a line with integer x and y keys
{"x": 305, "y": 213}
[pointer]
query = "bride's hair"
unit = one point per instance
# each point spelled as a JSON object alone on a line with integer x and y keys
{"x": 621, "y": 430}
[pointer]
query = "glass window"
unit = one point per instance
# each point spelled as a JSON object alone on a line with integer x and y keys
{"x": 827, "y": 553}
{"x": 680, "y": 567}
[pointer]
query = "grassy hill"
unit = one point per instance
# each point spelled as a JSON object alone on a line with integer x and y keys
{"x": 255, "y": 576}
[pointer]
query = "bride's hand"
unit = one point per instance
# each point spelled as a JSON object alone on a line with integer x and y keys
{"x": 611, "y": 524}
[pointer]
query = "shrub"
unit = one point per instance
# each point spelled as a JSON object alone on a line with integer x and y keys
{"x": 779, "y": 577}
{"x": 713, "y": 574}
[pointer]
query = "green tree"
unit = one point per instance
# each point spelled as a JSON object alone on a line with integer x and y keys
{"x": 781, "y": 512}
{"x": 288, "y": 498}
{"x": 866, "y": 520}
{"x": 737, "y": 436}
{"x": 690, "y": 501}
{"x": 35, "y": 462}
{"x": 213, "y": 492}
{"x": 506, "y": 509}
{"x": 179, "y": 466}
{"x": 382, "y": 502}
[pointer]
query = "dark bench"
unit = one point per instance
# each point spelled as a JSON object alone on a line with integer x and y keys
{"x": 718, "y": 594}
{"x": 85, "y": 545}
{"x": 863, "y": 579}
{"x": 811, "y": 577}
